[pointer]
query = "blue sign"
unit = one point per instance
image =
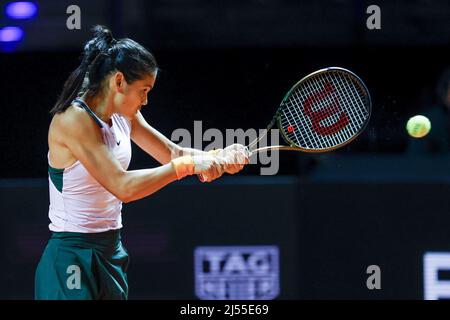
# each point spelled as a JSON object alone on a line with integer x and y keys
{"x": 237, "y": 273}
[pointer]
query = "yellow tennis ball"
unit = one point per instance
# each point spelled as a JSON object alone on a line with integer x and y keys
{"x": 418, "y": 126}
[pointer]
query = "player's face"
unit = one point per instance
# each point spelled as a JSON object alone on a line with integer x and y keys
{"x": 135, "y": 95}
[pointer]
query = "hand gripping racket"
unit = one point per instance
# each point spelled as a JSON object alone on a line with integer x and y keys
{"x": 322, "y": 112}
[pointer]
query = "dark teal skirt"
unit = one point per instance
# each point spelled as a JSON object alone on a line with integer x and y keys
{"x": 83, "y": 266}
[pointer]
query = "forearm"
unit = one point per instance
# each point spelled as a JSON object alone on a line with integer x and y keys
{"x": 137, "y": 184}
{"x": 191, "y": 152}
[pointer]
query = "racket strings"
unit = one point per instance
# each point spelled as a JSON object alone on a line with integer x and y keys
{"x": 360, "y": 115}
{"x": 336, "y": 111}
{"x": 325, "y": 111}
{"x": 301, "y": 123}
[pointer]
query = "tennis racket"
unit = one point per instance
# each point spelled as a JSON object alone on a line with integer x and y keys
{"x": 322, "y": 112}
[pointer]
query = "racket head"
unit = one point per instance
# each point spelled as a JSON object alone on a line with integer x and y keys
{"x": 325, "y": 110}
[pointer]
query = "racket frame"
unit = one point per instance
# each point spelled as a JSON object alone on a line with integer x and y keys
{"x": 277, "y": 118}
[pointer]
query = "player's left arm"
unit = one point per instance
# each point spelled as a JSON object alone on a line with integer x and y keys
{"x": 155, "y": 143}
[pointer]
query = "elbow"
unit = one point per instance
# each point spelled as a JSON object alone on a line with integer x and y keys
{"x": 124, "y": 191}
{"x": 127, "y": 200}
{"x": 125, "y": 197}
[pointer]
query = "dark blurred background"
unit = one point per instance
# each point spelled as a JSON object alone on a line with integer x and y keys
{"x": 383, "y": 200}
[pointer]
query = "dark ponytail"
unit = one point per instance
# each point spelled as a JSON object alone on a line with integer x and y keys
{"x": 103, "y": 55}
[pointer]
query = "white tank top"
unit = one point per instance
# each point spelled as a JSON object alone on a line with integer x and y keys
{"x": 78, "y": 203}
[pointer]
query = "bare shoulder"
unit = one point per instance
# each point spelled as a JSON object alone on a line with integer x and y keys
{"x": 70, "y": 130}
{"x": 75, "y": 122}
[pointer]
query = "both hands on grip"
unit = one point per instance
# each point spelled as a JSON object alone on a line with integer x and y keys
{"x": 211, "y": 165}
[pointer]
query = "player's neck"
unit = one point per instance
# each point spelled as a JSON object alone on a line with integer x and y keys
{"x": 101, "y": 105}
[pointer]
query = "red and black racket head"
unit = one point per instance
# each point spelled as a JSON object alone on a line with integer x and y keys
{"x": 325, "y": 110}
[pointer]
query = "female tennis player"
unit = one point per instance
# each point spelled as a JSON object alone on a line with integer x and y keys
{"x": 94, "y": 119}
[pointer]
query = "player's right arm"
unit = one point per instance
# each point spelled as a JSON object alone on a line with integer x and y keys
{"x": 82, "y": 136}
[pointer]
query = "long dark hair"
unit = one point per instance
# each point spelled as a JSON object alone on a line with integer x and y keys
{"x": 102, "y": 55}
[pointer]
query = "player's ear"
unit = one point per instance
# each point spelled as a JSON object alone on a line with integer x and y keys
{"x": 119, "y": 82}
